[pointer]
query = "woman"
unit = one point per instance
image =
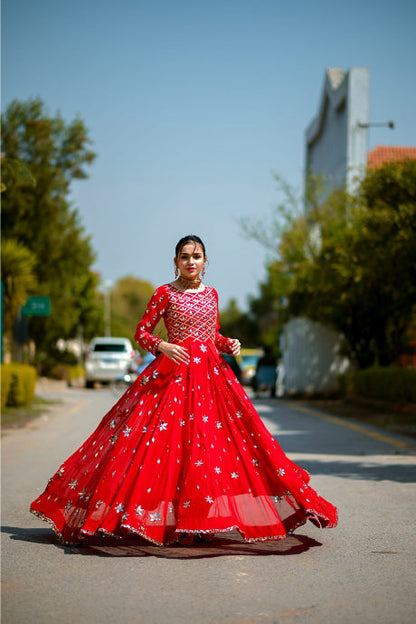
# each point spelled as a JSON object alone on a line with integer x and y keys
{"x": 183, "y": 452}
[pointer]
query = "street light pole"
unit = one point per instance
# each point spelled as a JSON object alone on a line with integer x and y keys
{"x": 107, "y": 306}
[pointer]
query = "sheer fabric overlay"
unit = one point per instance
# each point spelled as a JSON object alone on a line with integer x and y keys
{"x": 183, "y": 450}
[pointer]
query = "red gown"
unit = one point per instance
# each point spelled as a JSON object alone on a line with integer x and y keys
{"x": 183, "y": 450}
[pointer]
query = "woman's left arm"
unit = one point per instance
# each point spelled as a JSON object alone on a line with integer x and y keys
{"x": 224, "y": 344}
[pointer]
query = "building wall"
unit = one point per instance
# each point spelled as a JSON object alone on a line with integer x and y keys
{"x": 311, "y": 358}
{"x": 336, "y": 145}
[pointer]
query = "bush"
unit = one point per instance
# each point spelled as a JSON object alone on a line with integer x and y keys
{"x": 73, "y": 373}
{"x": 6, "y": 380}
{"x": 388, "y": 384}
{"x": 18, "y": 387}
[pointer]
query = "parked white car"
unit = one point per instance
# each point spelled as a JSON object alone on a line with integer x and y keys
{"x": 106, "y": 359}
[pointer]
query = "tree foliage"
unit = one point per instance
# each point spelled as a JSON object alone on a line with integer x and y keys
{"x": 19, "y": 281}
{"x": 238, "y": 324}
{"x": 43, "y": 155}
{"x": 129, "y": 298}
{"x": 350, "y": 262}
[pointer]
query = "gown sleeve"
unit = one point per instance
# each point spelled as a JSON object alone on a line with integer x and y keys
{"x": 154, "y": 312}
{"x": 222, "y": 343}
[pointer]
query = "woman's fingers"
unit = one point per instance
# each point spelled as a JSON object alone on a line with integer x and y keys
{"x": 235, "y": 347}
{"x": 174, "y": 352}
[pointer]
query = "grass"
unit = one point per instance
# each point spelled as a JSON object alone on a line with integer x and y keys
{"x": 15, "y": 417}
{"x": 394, "y": 417}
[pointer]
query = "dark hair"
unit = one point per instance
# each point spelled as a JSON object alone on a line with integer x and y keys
{"x": 191, "y": 238}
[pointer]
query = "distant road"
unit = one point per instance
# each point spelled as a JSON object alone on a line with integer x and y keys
{"x": 363, "y": 571}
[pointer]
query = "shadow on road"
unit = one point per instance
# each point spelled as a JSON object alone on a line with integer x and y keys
{"x": 134, "y": 546}
{"x": 364, "y": 469}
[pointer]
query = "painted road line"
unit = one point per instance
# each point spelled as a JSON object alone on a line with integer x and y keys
{"x": 350, "y": 425}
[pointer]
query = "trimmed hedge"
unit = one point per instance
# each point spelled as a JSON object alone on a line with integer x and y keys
{"x": 18, "y": 383}
{"x": 388, "y": 384}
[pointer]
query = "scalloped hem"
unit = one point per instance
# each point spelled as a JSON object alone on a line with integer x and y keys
{"x": 141, "y": 532}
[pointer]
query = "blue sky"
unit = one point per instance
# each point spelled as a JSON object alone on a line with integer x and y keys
{"x": 192, "y": 105}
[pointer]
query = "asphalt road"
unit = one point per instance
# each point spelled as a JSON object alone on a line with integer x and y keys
{"x": 363, "y": 571}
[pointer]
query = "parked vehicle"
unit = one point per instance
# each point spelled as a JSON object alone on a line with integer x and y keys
{"x": 108, "y": 358}
{"x": 265, "y": 376}
{"x": 247, "y": 360}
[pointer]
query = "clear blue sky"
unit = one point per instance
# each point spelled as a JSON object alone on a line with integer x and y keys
{"x": 192, "y": 105}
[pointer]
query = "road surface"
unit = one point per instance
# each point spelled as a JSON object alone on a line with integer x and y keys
{"x": 363, "y": 571}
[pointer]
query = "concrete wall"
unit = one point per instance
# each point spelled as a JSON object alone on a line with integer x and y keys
{"x": 311, "y": 358}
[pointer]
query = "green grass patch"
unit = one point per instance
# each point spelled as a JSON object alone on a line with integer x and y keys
{"x": 15, "y": 417}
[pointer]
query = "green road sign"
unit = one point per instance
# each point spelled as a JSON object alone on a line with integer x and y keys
{"x": 36, "y": 306}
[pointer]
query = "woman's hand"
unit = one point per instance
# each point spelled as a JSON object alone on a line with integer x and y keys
{"x": 174, "y": 352}
{"x": 235, "y": 346}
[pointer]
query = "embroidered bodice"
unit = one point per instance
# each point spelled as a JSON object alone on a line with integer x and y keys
{"x": 185, "y": 314}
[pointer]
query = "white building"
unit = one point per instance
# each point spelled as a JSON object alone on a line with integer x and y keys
{"x": 336, "y": 147}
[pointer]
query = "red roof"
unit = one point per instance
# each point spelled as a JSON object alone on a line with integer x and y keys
{"x": 386, "y": 153}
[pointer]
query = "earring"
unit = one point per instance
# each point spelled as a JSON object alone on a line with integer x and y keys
{"x": 203, "y": 272}
{"x": 176, "y": 273}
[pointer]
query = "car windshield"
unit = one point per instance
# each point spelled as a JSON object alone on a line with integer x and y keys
{"x": 118, "y": 348}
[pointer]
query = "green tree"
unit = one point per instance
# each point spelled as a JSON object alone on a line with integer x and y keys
{"x": 43, "y": 156}
{"x": 129, "y": 298}
{"x": 350, "y": 262}
{"x": 19, "y": 281}
{"x": 237, "y": 324}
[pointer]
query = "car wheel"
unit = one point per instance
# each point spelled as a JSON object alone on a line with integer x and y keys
{"x": 89, "y": 384}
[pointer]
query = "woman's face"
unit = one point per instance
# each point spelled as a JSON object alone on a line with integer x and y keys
{"x": 190, "y": 260}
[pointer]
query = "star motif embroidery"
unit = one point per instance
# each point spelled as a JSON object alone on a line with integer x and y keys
{"x": 182, "y": 423}
{"x": 186, "y": 504}
{"x": 218, "y": 424}
{"x": 205, "y": 418}
{"x": 119, "y": 508}
{"x": 217, "y": 470}
{"x": 144, "y": 429}
{"x": 255, "y": 462}
{"x": 113, "y": 424}
{"x": 216, "y": 371}
{"x": 144, "y": 380}
{"x": 203, "y": 348}
{"x": 73, "y": 484}
{"x": 114, "y": 439}
{"x": 280, "y": 472}
{"x": 139, "y": 510}
{"x": 127, "y": 431}
{"x": 154, "y": 517}
{"x": 209, "y": 499}
{"x": 199, "y": 462}
{"x": 197, "y": 360}
{"x": 234, "y": 475}
{"x": 163, "y": 425}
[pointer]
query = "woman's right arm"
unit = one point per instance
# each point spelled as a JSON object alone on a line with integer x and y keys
{"x": 154, "y": 312}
